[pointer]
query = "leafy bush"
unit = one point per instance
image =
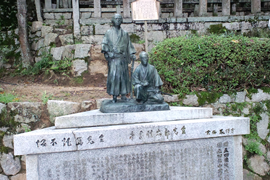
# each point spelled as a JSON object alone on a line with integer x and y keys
{"x": 216, "y": 63}
{"x": 45, "y": 64}
{"x": 8, "y": 19}
{"x": 6, "y": 98}
{"x": 253, "y": 147}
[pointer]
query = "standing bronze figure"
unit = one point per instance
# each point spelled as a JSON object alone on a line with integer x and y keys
{"x": 118, "y": 51}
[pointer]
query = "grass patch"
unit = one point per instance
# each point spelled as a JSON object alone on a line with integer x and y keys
{"x": 6, "y": 98}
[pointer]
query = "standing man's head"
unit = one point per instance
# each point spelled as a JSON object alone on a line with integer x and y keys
{"x": 117, "y": 20}
{"x": 144, "y": 58}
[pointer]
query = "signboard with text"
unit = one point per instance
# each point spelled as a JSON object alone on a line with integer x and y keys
{"x": 145, "y": 10}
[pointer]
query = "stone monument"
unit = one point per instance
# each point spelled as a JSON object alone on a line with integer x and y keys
{"x": 181, "y": 143}
{"x": 175, "y": 143}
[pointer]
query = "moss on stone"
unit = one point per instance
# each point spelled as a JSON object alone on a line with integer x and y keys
{"x": 216, "y": 29}
{"x": 134, "y": 38}
{"x": 210, "y": 97}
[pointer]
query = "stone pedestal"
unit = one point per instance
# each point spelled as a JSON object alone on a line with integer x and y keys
{"x": 193, "y": 146}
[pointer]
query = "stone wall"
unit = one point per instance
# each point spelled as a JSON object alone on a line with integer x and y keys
{"x": 55, "y": 35}
{"x": 19, "y": 117}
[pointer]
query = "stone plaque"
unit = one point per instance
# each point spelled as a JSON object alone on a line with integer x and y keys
{"x": 52, "y": 140}
{"x": 214, "y": 158}
{"x": 145, "y": 10}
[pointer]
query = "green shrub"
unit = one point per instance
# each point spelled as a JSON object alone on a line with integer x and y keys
{"x": 45, "y": 64}
{"x": 216, "y": 63}
{"x": 6, "y": 98}
{"x": 253, "y": 147}
{"x": 216, "y": 29}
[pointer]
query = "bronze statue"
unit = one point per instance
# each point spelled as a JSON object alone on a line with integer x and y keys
{"x": 118, "y": 51}
{"x": 147, "y": 82}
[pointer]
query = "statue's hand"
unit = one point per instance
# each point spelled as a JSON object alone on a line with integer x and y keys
{"x": 106, "y": 55}
{"x": 110, "y": 54}
{"x": 145, "y": 83}
{"x": 133, "y": 57}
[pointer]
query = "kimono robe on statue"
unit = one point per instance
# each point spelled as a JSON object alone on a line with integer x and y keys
{"x": 149, "y": 93}
{"x": 119, "y": 46}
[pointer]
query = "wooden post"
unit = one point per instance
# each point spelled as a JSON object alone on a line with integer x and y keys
{"x": 69, "y": 4}
{"x": 203, "y": 8}
{"x": 255, "y": 6}
{"x": 48, "y": 4}
{"x": 226, "y": 7}
{"x": 38, "y": 10}
{"x": 178, "y": 8}
{"x": 234, "y": 9}
{"x": 57, "y": 4}
{"x": 118, "y": 9}
{"x": 65, "y": 4}
{"x": 145, "y": 36}
{"x": 97, "y": 8}
{"x": 76, "y": 19}
{"x": 27, "y": 58}
{"x": 126, "y": 9}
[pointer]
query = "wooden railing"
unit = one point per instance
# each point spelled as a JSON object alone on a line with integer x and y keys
{"x": 177, "y": 7}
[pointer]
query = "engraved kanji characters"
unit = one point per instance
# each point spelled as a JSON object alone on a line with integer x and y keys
{"x": 41, "y": 142}
{"x": 66, "y": 141}
{"x": 158, "y": 133}
{"x": 101, "y": 138}
{"x": 89, "y": 140}
{"x": 167, "y": 133}
{"x": 53, "y": 142}
{"x": 149, "y": 133}
{"x": 79, "y": 141}
{"x": 183, "y": 130}
{"x": 131, "y": 135}
{"x": 175, "y": 131}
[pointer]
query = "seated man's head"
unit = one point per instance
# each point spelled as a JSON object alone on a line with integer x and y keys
{"x": 117, "y": 20}
{"x": 144, "y": 58}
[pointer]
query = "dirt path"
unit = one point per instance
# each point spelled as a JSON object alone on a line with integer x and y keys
{"x": 35, "y": 92}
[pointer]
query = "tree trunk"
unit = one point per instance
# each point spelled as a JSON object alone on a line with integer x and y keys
{"x": 27, "y": 58}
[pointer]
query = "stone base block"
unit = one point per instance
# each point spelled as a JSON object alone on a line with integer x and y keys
{"x": 215, "y": 158}
{"x": 107, "y": 106}
{"x": 97, "y": 118}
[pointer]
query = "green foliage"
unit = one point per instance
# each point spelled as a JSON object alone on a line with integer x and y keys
{"x": 216, "y": 63}
{"x": 8, "y": 48}
{"x": 258, "y": 32}
{"x": 7, "y": 120}
{"x": 8, "y": 19}
{"x": 61, "y": 21}
{"x": 45, "y": 64}
{"x": 45, "y": 97}
{"x": 254, "y": 119}
{"x": 78, "y": 80}
{"x": 266, "y": 89}
{"x": 134, "y": 38}
{"x": 216, "y": 29}
{"x": 6, "y": 98}
{"x": 209, "y": 97}
{"x": 26, "y": 128}
{"x": 253, "y": 147}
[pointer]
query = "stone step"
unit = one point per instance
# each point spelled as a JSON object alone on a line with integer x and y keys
{"x": 97, "y": 118}
{"x": 51, "y": 140}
